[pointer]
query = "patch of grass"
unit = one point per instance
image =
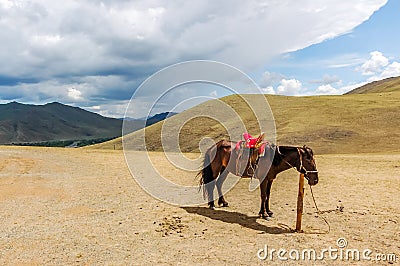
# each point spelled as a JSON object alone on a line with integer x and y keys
{"x": 63, "y": 143}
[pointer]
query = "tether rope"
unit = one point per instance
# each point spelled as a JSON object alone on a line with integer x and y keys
{"x": 318, "y": 211}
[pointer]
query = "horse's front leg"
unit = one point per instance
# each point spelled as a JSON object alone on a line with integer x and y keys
{"x": 221, "y": 201}
{"x": 263, "y": 189}
{"x": 269, "y": 184}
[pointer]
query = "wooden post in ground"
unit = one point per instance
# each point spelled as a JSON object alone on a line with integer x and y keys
{"x": 300, "y": 197}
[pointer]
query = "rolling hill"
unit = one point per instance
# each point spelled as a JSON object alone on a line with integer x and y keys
{"x": 21, "y": 123}
{"x": 385, "y": 85}
{"x": 329, "y": 124}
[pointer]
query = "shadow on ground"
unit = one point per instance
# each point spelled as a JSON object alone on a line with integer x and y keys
{"x": 239, "y": 218}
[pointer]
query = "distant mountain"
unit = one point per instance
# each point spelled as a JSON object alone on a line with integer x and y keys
{"x": 21, "y": 123}
{"x": 384, "y": 85}
{"x": 159, "y": 117}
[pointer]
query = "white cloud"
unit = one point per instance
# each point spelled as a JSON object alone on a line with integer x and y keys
{"x": 392, "y": 70}
{"x": 330, "y": 90}
{"x": 96, "y": 107}
{"x": 268, "y": 90}
{"x": 75, "y": 94}
{"x": 378, "y": 67}
{"x": 270, "y": 78}
{"x": 290, "y": 87}
{"x": 350, "y": 87}
{"x": 326, "y": 80}
{"x": 375, "y": 64}
{"x": 326, "y": 89}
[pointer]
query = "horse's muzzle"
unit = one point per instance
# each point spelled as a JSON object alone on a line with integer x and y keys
{"x": 312, "y": 178}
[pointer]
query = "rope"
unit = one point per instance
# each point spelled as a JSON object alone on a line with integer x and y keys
{"x": 319, "y": 212}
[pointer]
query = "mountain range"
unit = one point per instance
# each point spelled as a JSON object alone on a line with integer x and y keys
{"x": 55, "y": 122}
{"x": 364, "y": 119}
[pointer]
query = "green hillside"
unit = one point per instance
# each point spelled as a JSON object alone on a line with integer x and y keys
{"x": 329, "y": 124}
{"x": 20, "y": 123}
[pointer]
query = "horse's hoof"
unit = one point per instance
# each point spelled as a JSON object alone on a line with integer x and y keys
{"x": 212, "y": 207}
{"x": 270, "y": 214}
{"x": 264, "y": 216}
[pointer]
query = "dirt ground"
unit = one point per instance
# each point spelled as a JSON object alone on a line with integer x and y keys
{"x": 82, "y": 207}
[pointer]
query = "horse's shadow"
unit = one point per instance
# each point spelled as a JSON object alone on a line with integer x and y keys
{"x": 239, "y": 218}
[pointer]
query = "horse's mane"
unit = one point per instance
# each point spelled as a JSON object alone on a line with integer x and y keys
{"x": 281, "y": 152}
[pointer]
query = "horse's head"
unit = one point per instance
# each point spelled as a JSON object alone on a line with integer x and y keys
{"x": 308, "y": 166}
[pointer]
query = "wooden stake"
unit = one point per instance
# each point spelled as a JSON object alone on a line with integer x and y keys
{"x": 300, "y": 197}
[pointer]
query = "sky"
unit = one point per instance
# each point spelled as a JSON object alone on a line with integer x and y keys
{"x": 94, "y": 54}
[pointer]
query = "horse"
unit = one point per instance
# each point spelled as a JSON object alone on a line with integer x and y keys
{"x": 275, "y": 160}
{"x": 227, "y": 157}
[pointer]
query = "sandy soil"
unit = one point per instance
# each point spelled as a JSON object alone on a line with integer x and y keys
{"x": 82, "y": 207}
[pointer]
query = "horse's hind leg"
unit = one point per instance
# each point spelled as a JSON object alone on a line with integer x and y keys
{"x": 223, "y": 174}
{"x": 209, "y": 187}
{"x": 210, "y": 193}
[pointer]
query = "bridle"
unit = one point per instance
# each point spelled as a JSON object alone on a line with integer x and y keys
{"x": 301, "y": 169}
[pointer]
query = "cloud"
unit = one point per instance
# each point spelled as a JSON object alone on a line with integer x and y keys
{"x": 75, "y": 94}
{"x": 326, "y": 89}
{"x": 87, "y": 43}
{"x": 378, "y": 67}
{"x": 270, "y": 78}
{"x": 330, "y": 90}
{"x": 326, "y": 80}
{"x": 290, "y": 87}
{"x": 268, "y": 90}
{"x": 353, "y": 86}
{"x": 374, "y": 65}
{"x": 392, "y": 70}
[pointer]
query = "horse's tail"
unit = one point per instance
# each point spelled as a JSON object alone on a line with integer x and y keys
{"x": 206, "y": 174}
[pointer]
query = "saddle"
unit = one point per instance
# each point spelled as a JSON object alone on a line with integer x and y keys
{"x": 244, "y": 166}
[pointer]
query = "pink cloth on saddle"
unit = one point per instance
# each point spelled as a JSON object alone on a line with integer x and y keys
{"x": 250, "y": 141}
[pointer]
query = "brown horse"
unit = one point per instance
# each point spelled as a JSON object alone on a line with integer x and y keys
{"x": 221, "y": 159}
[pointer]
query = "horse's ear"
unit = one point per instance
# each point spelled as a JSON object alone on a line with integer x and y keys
{"x": 308, "y": 151}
